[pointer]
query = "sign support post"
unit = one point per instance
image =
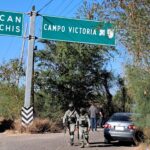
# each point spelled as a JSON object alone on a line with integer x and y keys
{"x": 27, "y": 110}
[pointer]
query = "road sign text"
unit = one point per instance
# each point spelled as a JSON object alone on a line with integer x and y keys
{"x": 82, "y": 31}
{"x": 11, "y": 23}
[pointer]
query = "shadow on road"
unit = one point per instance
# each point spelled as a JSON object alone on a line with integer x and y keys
{"x": 6, "y": 125}
{"x": 113, "y": 144}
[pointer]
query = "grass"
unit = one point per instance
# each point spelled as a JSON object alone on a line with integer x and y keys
{"x": 38, "y": 126}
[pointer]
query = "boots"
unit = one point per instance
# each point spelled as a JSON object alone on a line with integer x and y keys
{"x": 71, "y": 141}
{"x": 82, "y": 145}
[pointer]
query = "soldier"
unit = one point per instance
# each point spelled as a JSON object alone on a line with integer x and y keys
{"x": 70, "y": 120}
{"x": 84, "y": 127}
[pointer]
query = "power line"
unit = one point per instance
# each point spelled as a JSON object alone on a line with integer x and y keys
{"x": 44, "y": 6}
{"x": 22, "y": 55}
{"x": 73, "y": 7}
{"x": 11, "y": 43}
{"x": 61, "y": 5}
{"x": 66, "y": 6}
{"x": 9, "y": 47}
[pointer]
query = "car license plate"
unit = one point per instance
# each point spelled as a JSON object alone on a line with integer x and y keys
{"x": 119, "y": 128}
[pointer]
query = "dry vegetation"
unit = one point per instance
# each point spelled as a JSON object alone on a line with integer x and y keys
{"x": 143, "y": 147}
{"x": 146, "y": 145}
{"x": 38, "y": 126}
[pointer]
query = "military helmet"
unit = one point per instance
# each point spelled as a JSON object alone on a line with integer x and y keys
{"x": 71, "y": 106}
{"x": 82, "y": 111}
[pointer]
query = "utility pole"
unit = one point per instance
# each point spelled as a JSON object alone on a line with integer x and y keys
{"x": 21, "y": 56}
{"x": 27, "y": 110}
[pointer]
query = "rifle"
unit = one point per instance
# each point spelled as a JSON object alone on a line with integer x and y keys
{"x": 78, "y": 130}
{"x": 78, "y": 134}
{"x": 65, "y": 128}
{"x": 65, "y": 125}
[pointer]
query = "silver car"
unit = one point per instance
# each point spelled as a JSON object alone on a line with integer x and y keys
{"x": 120, "y": 127}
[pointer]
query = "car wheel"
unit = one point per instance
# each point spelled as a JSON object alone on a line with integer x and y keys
{"x": 106, "y": 141}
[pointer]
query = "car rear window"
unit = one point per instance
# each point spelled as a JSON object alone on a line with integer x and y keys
{"x": 120, "y": 118}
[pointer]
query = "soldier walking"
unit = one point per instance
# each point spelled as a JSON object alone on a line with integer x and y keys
{"x": 70, "y": 121}
{"x": 84, "y": 127}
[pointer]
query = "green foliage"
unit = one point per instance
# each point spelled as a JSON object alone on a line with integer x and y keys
{"x": 135, "y": 19}
{"x": 9, "y": 71}
{"x": 118, "y": 102}
{"x": 11, "y": 101}
{"x": 11, "y": 97}
{"x": 46, "y": 106}
{"x": 122, "y": 97}
{"x": 132, "y": 20}
{"x": 69, "y": 72}
{"x": 73, "y": 72}
{"x": 139, "y": 88}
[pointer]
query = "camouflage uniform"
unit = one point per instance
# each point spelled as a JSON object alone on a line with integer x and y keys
{"x": 70, "y": 119}
{"x": 84, "y": 126}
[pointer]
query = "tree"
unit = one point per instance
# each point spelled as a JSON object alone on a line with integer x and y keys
{"x": 70, "y": 72}
{"x": 122, "y": 100}
{"x": 96, "y": 11}
{"x": 136, "y": 15}
{"x": 73, "y": 72}
{"x": 123, "y": 92}
{"x": 138, "y": 87}
{"x": 11, "y": 101}
{"x": 132, "y": 17}
{"x": 106, "y": 77}
{"x": 11, "y": 96}
{"x": 9, "y": 72}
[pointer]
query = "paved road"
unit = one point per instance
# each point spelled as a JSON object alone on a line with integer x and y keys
{"x": 57, "y": 141}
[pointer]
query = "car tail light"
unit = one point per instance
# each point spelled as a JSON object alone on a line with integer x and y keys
{"x": 131, "y": 127}
{"x": 108, "y": 126}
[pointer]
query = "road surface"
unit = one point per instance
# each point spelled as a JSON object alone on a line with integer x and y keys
{"x": 56, "y": 141}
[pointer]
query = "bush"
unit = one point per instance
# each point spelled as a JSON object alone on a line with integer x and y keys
{"x": 147, "y": 135}
{"x": 39, "y": 126}
{"x": 11, "y": 101}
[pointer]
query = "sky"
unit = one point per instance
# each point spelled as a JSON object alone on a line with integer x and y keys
{"x": 10, "y": 46}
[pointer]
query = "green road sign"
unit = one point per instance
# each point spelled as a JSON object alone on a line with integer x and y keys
{"x": 11, "y": 23}
{"x": 81, "y": 31}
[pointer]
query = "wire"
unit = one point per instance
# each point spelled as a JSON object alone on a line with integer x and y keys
{"x": 61, "y": 5}
{"x": 74, "y": 7}
{"x": 66, "y": 7}
{"x": 44, "y": 6}
{"x": 11, "y": 43}
{"x": 9, "y": 47}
